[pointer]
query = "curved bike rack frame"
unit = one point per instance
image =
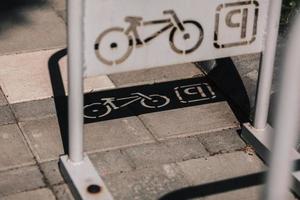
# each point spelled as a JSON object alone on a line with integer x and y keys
{"x": 81, "y": 174}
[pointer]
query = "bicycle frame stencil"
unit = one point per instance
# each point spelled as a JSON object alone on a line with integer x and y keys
{"x": 134, "y": 39}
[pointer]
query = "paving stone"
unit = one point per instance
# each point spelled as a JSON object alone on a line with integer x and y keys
{"x": 63, "y": 15}
{"x": 105, "y": 162}
{"x": 51, "y": 172}
{"x": 118, "y": 133}
{"x": 39, "y": 194}
{"x": 25, "y": 77}
{"x": 32, "y": 110}
{"x": 62, "y": 192}
{"x": 111, "y": 162}
{"x": 251, "y": 193}
{"x": 153, "y": 75}
{"x": 174, "y": 150}
{"x": 14, "y": 151}
{"x": 145, "y": 184}
{"x": 6, "y": 116}
{"x": 39, "y": 28}
{"x": 20, "y": 180}
{"x": 220, "y": 167}
{"x": 2, "y": 98}
{"x": 45, "y": 138}
{"x": 222, "y": 141}
{"x": 59, "y": 4}
{"x": 190, "y": 121}
{"x": 246, "y": 63}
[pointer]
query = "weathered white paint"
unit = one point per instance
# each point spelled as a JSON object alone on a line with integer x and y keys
{"x": 102, "y": 15}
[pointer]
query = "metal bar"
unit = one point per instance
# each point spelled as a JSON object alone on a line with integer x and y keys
{"x": 286, "y": 121}
{"x": 75, "y": 79}
{"x": 267, "y": 66}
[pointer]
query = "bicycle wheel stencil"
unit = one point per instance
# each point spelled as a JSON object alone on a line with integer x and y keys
{"x": 124, "y": 35}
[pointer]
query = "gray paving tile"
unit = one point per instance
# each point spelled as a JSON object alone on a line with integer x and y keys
{"x": 34, "y": 109}
{"x": 153, "y": 75}
{"x": 45, "y": 138}
{"x": 14, "y": 151}
{"x": 246, "y": 63}
{"x": 145, "y": 184}
{"x": 111, "y": 162}
{"x": 40, "y": 28}
{"x": 251, "y": 193}
{"x": 51, "y": 172}
{"x": 60, "y": 8}
{"x": 220, "y": 167}
{"x": 222, "y": 141}
{"x": 58, "y": 4}
{"x": 62, "y": 192}
{"x": 105, "y": 162}
{"x": 63, "y": 15}
{"x": 39, "y": 194}
{"x": 2, "y": 98}
{"x": 115, "y": 134}
{"x": 20, "y": 180}
{"x": 190, "y": 121}
{"x": 174, "y": 150}
{"x": 6, "y": 116}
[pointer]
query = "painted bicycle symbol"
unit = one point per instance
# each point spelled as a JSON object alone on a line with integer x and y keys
{"x": 114, "y": 45}
{"x": 107, "y": 105}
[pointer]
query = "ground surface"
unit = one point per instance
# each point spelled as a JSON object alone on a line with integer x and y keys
{"x": 140, "y": 157}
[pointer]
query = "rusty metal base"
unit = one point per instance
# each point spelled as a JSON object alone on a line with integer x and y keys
{"x": 83, "y": 179}
{"x": 259, "y": 139}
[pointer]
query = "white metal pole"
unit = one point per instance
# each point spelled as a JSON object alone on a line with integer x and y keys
{"x": 267, "y": 66}
{"x": 286, "y": 121}
{"x": 75, "y": 80}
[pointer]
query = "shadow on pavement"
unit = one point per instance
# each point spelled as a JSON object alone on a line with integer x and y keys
{"x": 216, "y": 187}
{"x": 130, "y": 101}
{"x": 224, "y": 75}
{"x": 12, "y": 12}
{"x": 59, "y": 93}
{"x": 221, "y": 186}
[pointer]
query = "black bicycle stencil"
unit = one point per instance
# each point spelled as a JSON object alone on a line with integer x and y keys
{"x": 131, "y": 101}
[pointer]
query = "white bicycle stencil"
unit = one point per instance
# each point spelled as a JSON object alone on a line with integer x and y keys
{"x": 114, "y": 45}
{"x": 107, "y": 105}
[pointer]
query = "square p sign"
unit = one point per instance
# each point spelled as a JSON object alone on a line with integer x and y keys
{"x": 124, "y": 35}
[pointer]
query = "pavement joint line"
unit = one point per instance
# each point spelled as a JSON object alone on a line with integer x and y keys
{"x": 118, "y": 148}
{"x": 17, "y": 167}
{"x": 55, "y": 11}
{"x": 227, "y": 151}
{"x": 129, "y": 159}
{"x": 190, "y": 182}
{"x": 148, "y": 129}
{"x": 35, "y": 157}
{"x": 195, "y": 133}
{"x": 30, "y": 190}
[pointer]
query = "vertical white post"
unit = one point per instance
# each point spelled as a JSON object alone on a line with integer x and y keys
{"x": 286, "y": 121}
{"x": 76, "y": 167}
{"x": 75, "y": 79}
{"x": 267, "y": 66}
